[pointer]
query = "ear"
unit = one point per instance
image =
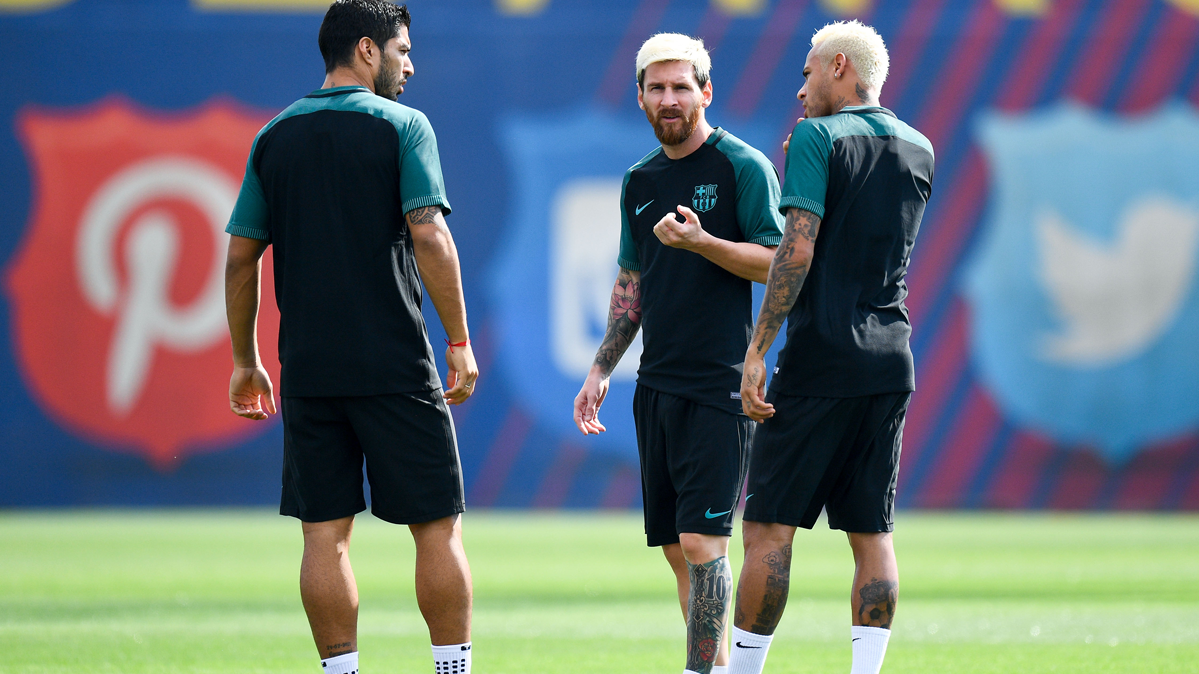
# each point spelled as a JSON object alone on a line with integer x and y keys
{"x": 707, "y": 94}
{"x": 368, "y": 51}
{"x": 640, "y": 96}
{"x": 839, "y": 63}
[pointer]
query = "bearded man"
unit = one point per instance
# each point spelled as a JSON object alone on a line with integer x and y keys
{"x": 690, "y": 284}
{"x": 346, "y": 185}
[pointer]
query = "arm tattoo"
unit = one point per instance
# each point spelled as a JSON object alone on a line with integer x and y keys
{"x": 624, "y": 318}
{"x": 778, "y": 584}
{"x": 787, "y": 273}
{"x": 877, "y": 608}
{"x": 707, "y": 612}
{"x": 426, "y": 215}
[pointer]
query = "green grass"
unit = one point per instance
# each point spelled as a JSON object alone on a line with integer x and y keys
{"x": 216, "y": 591}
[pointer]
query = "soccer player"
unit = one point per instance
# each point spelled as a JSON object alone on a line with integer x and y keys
{"x": 689, "y": 281}
{"x": 856, "y": 185}
{"x": 346, "y": 185}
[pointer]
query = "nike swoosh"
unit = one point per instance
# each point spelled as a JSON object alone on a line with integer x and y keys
{"x": 642, "y": 208}
{"x": 711, "y": 515}
{"x": 750, "y": 496}
{"x": 739, "y": 645}
{"x": 857, "y": 639}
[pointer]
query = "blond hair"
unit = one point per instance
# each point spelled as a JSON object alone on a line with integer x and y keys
{"x": 674, "y": 47}
{"x": 861, "y": 44}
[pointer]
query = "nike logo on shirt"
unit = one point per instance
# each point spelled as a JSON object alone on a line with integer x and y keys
{"x": 711, "y": 515}
{"x": 642, "y": 208}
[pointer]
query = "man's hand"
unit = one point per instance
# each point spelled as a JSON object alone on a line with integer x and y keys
{"x": 587, "y": 403}
{"x": 753, "y": 388}
{"x": 687, "y": 234}
{"x": 462, "y": 375}
{"x": 787, "y": 143}
{"x": 249, "y": 389}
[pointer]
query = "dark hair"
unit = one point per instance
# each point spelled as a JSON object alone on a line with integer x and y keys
{"x": 348, "y": 21}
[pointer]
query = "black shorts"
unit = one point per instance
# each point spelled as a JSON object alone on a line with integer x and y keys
{"x": 693, "y": 460}
{"x": 409, "y": 445}
{"x": 839, "y": 454}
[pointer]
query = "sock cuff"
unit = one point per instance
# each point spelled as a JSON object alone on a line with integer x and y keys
{"x": 341, "y": 664}
{"x": 866, "y": 631}
{"x": 750, "y": 638}
{"x": 452, "y": 649}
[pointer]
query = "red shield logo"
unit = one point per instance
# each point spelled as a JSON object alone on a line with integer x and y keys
{"x": 118, "y": 288}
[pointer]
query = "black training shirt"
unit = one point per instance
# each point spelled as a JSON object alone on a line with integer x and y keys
{"x": 868, "y": 176}
{"x": 697, "y": 317}
{"x": 328, "y": 183}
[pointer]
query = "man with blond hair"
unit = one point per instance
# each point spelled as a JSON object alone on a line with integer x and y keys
{"x": 832, "y": 423}
{"x": 690, "y": 283}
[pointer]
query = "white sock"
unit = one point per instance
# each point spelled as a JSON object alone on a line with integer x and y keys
{"x": 453, "y": 659}
{"x": 720, "y": 669}
{"x": 342, "y": 664}
{"x": 748, "y": 654}
{"x": 869, "y": 647}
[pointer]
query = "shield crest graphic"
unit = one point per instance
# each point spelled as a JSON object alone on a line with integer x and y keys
{"x": 1084, "y": 292}
{"x": 704, "y": 199}
{"x": 117, "y": 287}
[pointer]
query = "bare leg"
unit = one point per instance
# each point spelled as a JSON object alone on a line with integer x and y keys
{"x": 875, "y": 580}
{"x": 682, "y": 577}
{"x": 443, "y": 586}
{"x": 708, "y": 600}
{"x": 765, "y": 577}
{"x": 327, "y": 587}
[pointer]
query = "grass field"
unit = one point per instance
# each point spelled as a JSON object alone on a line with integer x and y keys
{"x": 216, "y": 591}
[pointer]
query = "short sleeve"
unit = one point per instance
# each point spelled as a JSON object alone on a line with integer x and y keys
{"x": 421, "y": 182}
{"x": 629, "y": 256}
{"x": 758, "y": 195}
{"x": 250, "y": 218}
{"x": 806, "y": 182}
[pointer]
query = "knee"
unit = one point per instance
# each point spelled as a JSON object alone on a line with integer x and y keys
{"x": 440, "y": 532}
{"x": 869, "y": 545}
{"x": 334, "y": 533}
{"x": 768, "y": 536}
{"x": 703, "y": 548}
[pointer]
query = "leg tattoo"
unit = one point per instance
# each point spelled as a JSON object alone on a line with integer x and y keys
{"x": 778, "y": 584}
{"x": 877, "y": 608}
{"x": 707, "y": 608}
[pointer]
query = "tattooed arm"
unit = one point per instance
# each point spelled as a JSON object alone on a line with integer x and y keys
{"x": 787, "y": 273}
{"x": 624, "y": 319}
{"x": 437, "y": 262}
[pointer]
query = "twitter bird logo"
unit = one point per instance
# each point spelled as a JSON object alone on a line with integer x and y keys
{"x": 1116, "y": 299}
{"x": 1083, "y": 289}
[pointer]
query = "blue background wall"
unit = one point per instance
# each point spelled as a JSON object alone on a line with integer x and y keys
{"x": 1064, "y": 210}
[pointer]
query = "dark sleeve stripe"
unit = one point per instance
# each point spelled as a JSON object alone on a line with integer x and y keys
{"x": 772, "y": 240}
{"x": 422, "y": 202}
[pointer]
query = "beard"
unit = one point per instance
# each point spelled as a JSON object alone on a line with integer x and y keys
{"x": 389, "y": 78}
{"x": 677, "y": 134}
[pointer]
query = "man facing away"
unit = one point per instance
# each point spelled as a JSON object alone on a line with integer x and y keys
{"x": 691, "y": 283}
{"x": 346, "y": 184}
{"x": 856, "y": 186}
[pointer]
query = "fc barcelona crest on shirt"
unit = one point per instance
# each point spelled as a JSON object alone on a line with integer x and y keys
{"x": 704, "y": 199}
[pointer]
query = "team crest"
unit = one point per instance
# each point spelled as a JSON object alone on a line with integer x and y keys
{"x": 117, "y": 289}
{"x": 1085, "y": 291}
{"x": 704, "y": 199}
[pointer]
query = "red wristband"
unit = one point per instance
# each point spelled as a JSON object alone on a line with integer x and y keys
{"x": 459, "y": 344}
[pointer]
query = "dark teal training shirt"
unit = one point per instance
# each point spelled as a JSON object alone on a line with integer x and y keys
{"x": 868, "y": 176}
{"x": 328, "y": 183}
{"x": 697, "y": 318}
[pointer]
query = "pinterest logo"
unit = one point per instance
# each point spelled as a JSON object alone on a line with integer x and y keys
{"x": 117, "y": 292}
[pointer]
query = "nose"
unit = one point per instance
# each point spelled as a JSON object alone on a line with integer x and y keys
{"x": 408, "y": 67}
{"x": 803, "y": 92}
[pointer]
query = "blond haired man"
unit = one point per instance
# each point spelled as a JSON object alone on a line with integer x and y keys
{"x": 691, "y": 282}
{"x": 833, "y": 421}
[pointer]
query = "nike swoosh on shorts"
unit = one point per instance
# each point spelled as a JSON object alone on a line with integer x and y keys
{"x": 711, "y": 515}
